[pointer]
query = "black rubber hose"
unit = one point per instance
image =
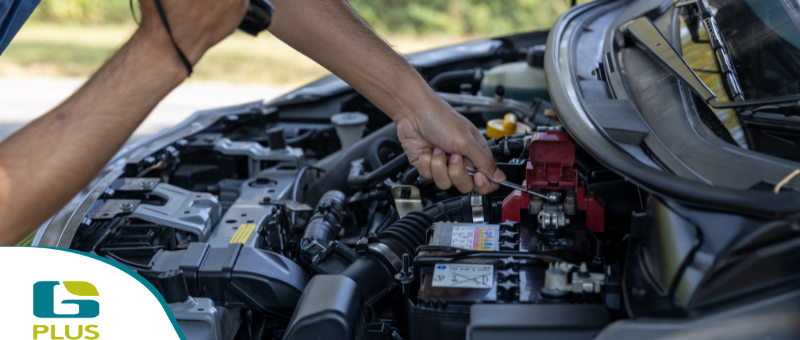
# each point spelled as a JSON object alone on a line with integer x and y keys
{"x": 456, "y": 77}
{"x": 357, "y": 180}
{"x": 335, "y": 177}
{"x": 301, "y": 138}
{"x": 380, "y": 150}
{"x": 373, "y": 278}
{"x": 408, "y": 233}
{"x": 249, "y": 322}
{"x": 410, "y": 176}
{"x": 324, "y": 225}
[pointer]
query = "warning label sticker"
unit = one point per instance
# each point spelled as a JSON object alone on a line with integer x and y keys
{"x": 463, "y": 275}
{"x": 475, "y": 238}
{"x": 466, "y": 236}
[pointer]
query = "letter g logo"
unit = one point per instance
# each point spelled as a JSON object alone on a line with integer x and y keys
{"x": 44, "y": 304}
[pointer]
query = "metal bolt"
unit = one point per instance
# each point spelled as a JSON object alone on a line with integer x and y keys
{"x": 126, "y": 206}
{"x": 363, "y": 240}
{"x": 108, "y": 192}
{"x": 405, "y": 275}
{"x": 146, "y": 184}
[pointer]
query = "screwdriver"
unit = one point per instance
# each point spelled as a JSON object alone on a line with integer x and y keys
{"x": 471, "y": 171}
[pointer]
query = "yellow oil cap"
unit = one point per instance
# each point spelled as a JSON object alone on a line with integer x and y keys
{"x": 505, "y": 127}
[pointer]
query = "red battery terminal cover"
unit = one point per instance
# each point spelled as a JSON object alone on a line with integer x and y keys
{"x": 552, "y": 167}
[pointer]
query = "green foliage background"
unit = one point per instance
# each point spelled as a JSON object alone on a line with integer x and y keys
{"x": 83, "y": 11}
{"x": 413, "y": 17}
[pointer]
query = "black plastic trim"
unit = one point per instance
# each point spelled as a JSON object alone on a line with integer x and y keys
{"x": 692, "y": 193}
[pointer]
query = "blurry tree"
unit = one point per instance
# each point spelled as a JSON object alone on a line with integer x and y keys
{"x": 83, "y": 11}
{"x": 459, "y": 16}
{"x": 413, "y": 17}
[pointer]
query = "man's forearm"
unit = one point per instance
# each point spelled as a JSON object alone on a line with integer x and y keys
{"x": 45, "y": 163}
{"x": 428, "y": 128}
{"x": 330, "y": 33}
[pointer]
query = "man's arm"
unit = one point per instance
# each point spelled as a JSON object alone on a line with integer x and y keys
{"x": 44, "y": 164}
{"x": 334, "y": 36}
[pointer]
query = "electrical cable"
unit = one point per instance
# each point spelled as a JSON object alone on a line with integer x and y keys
{"x": 459, "y": 253}
{"x": 462, "y": 254}
{"x": 297, "y": 184}
{"x": 785, "y": 180}
{"x": 249, "y": 320}
{"x": 390, "y": 216}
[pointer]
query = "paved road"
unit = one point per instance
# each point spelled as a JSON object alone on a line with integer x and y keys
{"x": 22, "y": 99}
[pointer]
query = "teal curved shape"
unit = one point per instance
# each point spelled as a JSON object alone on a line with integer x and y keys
{"x": 136, "y": 276}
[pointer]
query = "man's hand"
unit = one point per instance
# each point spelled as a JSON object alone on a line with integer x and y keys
{"x": 48, "y": 161}
{"x": 428, "y": 137}
{"x": 334, "y": 36}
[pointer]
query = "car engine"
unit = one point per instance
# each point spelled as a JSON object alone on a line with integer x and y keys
{"x": 301, "y": 218}
{"x": 251, "y": 227}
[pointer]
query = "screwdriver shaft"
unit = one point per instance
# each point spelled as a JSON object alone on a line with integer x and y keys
{"x": 471, "y": 172}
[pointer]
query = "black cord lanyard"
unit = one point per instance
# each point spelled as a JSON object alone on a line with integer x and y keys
{"x": 166, "y": 24}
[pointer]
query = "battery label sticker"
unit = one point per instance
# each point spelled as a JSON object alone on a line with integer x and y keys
{"x": 475, "y": 238}
{"x": 463, "y": 275}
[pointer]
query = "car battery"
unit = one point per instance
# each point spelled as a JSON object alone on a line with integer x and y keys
{"x": 448, "y": 289}
{"x": 480, "y": 279}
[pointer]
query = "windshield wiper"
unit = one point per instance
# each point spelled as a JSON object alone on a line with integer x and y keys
{"x": 700, "y": 14}
{"x": 649, "y": 38}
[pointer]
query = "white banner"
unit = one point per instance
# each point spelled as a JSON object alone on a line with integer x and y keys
{"x": 54, "y": 294}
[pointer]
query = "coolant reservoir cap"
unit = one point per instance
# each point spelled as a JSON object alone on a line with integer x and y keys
{"x": 507, "y": 126}
{"x": 349, "y": 127}
{"x": 349, "y": 119}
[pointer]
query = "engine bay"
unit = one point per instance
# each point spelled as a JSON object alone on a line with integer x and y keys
{"x": 228, "y": 218}
{"x": 302, "y": 218}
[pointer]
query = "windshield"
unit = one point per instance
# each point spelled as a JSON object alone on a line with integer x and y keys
{"x": 763, "y": 40}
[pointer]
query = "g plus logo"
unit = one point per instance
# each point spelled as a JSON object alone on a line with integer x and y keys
{"x": 44, "y": 308}
{"x": 43, "y": 299}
